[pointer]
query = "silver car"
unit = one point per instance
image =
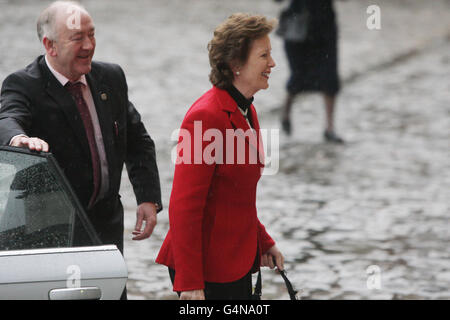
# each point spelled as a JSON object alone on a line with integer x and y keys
{"x": 39, "y": 213}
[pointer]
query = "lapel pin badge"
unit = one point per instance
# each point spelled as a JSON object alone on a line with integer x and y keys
{"x": 103, "y": 96}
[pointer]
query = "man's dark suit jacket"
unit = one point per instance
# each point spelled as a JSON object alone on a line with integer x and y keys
{"x": 33, "y": 102}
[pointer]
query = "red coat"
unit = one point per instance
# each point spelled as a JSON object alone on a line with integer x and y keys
{"x": 214, "y": 231}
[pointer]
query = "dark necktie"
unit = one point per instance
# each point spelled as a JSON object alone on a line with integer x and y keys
{"x": 75, "y": 90}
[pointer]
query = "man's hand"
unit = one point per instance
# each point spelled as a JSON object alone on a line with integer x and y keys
{"x": 146, "y": 213}
{"x": 272, "y": 258}
{"x": 33, "y": 143}
{"x": 192, "y": 295}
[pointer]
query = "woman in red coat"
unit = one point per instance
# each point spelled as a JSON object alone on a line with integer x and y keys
{"x": 216, "y": 241}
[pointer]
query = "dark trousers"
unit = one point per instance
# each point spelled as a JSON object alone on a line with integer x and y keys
{"x": 237, "y": 290}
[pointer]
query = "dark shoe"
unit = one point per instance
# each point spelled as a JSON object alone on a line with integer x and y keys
{"x": 286, "y": 126}
{"x": 330, "y": 136}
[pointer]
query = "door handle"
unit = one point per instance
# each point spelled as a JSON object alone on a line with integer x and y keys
{"x": 86, "y": 293}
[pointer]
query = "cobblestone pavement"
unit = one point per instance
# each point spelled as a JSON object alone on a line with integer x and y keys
{"x": 381, "y": 200}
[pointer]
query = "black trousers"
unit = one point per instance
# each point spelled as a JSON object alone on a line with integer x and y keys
{"x": 237, "y": 290}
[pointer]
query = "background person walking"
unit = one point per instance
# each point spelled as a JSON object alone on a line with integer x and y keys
{"x": 312, "y": 60}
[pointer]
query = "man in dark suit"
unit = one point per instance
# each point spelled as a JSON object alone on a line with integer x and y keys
{"x": 65, "y": 103}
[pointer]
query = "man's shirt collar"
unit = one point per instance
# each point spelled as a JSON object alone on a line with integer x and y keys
{"x": 61, "y": 78}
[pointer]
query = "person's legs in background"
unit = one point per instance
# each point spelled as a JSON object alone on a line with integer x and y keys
{"x": 329, "y": 133}
{"x": 286, "y": 114}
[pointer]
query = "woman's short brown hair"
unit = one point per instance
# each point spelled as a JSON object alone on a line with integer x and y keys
{"x": 232, "y": 42}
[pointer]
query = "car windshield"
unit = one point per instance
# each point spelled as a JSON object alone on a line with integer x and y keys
{"x": 36, "y": 207}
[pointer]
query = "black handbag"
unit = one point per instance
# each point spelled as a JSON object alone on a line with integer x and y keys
{"x": 258, "y": 287}
{"x": 293, "y": 26}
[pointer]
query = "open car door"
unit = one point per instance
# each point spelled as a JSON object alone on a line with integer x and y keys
{"x": 48, "y": 248}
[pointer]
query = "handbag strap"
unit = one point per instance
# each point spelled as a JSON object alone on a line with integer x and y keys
{"x": 290, "y": 288}
{"x": 292, "y": 292}
{"x": 258, "y": 287}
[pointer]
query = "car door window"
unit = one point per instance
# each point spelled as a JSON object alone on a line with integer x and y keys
{"x": 37, "y": 207}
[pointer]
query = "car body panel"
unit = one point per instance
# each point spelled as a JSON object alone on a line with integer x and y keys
{"x": 32, "y": 274}
{"x": 39, "y": 218}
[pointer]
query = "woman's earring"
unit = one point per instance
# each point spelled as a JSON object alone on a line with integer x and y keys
{"x": 238, "y": 73}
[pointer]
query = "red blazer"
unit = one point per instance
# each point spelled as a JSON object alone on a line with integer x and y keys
{"x": 214, "y": 231}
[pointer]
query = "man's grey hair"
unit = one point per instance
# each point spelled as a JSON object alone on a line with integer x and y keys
{"x": 46, "y": 23}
